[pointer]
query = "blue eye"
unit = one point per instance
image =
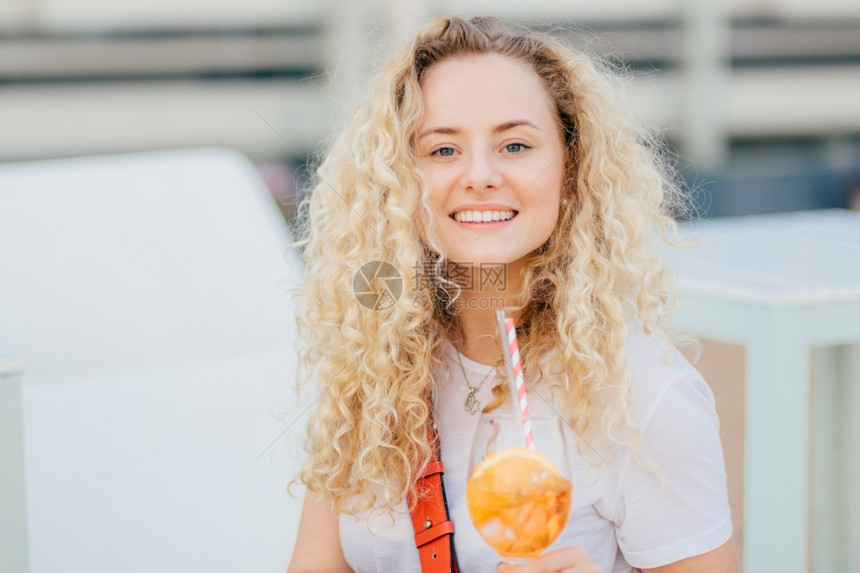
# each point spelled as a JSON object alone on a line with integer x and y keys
{"x": 444, "y": 151}
{"x": 515, "y": 147}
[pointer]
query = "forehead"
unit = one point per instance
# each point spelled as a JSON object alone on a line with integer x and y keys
{"x": 484, "y": 86}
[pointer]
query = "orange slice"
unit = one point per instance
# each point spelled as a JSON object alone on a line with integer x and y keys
{"x": 515, "y": 469}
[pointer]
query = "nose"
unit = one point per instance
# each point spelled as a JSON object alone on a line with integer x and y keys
{"x": 481, "y": 172}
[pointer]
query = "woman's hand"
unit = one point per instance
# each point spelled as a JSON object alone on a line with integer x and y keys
{"x": 564, "y": 560}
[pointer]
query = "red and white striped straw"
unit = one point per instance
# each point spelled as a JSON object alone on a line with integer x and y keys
{"x": 515, "y": 372}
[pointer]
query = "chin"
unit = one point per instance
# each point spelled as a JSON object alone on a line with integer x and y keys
{"x": 486, "y": 259}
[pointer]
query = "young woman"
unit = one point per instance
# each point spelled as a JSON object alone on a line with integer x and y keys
{"x": 490, "y": 168}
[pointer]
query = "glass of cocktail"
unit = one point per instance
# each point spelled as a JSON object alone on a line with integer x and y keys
{"x": 519, "y": 498}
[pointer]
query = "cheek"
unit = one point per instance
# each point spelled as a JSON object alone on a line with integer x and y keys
{"x": 428, "y": 217}
{"x": 551, "y": 207}
{"x": 550, "y": 223}
{"x": 436, "y": 194}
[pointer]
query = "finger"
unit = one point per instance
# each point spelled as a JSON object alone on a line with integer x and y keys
{"x": 564, "y": 560}
{"x": 573, "y": 559}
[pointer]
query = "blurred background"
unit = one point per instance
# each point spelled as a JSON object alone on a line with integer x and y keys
{"x": 761, "y": 98}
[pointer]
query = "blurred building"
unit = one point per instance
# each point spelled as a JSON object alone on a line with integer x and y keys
{"x": 760, "y": 97}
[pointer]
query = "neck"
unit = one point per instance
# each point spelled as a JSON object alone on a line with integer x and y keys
{"x": 481, "y": 340}
{"x": 477, "y": 308}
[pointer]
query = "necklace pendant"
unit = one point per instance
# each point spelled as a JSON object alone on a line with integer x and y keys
{"x": 472, "y": 404}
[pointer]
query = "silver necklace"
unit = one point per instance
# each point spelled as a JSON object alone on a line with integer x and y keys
{"x": 472, "y": 404}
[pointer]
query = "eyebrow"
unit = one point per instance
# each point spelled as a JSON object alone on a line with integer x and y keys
{"x": 502, "y": 127}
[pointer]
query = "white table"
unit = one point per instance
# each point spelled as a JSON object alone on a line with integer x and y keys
{"x": 782, "y": 285}
{"x": 13, "y": 510}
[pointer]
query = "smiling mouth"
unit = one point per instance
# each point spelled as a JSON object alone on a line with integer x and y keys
{"x": 472, "y": 216}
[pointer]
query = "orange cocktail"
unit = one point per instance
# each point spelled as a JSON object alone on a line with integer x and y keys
{"x": 518, "y": 501}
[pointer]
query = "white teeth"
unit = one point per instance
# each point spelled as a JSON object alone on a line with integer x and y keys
{"x": 482, "y": 216}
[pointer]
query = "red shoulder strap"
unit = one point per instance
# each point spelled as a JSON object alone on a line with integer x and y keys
{"x": 434, "y": 530}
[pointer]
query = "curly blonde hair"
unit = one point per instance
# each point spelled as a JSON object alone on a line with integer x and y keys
{"x": 597, "y": 272}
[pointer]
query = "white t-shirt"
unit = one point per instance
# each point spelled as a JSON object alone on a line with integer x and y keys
{"x": 624, "y": 516}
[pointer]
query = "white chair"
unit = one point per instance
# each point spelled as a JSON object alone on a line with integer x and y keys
{"x": 147, "y": 296}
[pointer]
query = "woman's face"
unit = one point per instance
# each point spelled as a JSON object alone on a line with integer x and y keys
{"x": 491, "y": 150}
